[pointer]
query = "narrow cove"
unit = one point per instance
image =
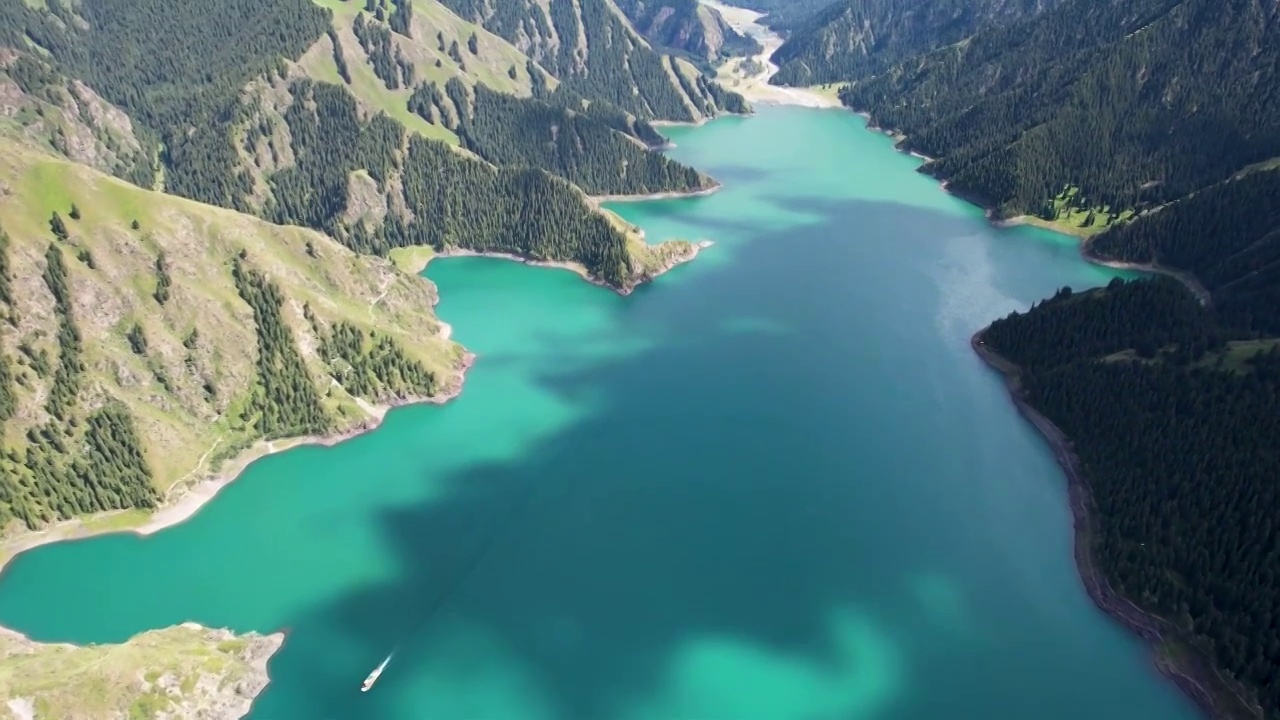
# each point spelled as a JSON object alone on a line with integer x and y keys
{"x": 775, "y": 484}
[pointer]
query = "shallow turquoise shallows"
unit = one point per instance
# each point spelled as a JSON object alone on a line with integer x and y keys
{"x": 775, "y": 484}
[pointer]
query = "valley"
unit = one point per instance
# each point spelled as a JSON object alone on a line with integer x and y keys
{"x": 751, "y": 75}
{"x": 226, "y": 258}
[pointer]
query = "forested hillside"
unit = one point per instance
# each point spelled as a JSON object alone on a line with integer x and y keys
{"x": 1228, "y": 236}
{"x": 783, "y": 16}
{"x": 243, "y": 128}
{"x": 596, "y": 55}
{"x": 595, "y": 146}
{"x": 853, "y": 39}
{"x": 180, "y": 95}
{"x": 1175, "y": 415}
{"x": 689, "y": 27}
{"x": 421, "y": 192}
{"x": 146, "y": 338}
{"x": 1111, "y": 106}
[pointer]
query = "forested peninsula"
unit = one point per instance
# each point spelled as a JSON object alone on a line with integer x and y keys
{"x": 1129, "y": 125}
{"x": 200, "y": 211}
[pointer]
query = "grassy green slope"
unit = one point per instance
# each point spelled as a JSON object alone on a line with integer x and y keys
{"x": 185, "y": 671}
{"x": 491, "y": 64}
{"x": 184, "y": 432}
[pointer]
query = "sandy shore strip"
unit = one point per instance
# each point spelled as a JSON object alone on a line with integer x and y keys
{"x": 1191, "y": 282}
{"x": 186, "y": 501}
{"x": 576, "y": 268}
{"x": 672, "y": 195}
{"x": 754, "y": 84}
{"x": 680, "y": 123}
{"x": 1195, "y": 677}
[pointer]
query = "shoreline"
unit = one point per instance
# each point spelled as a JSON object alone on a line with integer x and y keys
{"x": 186, "y": 501}
{"x": 579, "y": 270}
{"x": 682, "y": 123}
{"x": 1187, "y": 279}
{"x": 1195, "y": 677}
{"x": 669, "y": 195}
{"x": 669, "y": 264}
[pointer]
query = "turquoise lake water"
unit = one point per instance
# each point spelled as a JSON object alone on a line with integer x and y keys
{"x": 775, "y": 484}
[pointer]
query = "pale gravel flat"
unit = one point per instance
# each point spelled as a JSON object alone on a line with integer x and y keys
{"x": 755, "y": 86}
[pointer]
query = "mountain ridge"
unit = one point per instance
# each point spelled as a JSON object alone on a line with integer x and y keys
{"x": 689, "y": 27}
{"x": 854, "y": 39}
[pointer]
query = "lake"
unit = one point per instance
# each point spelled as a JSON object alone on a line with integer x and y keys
{"x": 774, "y": 484}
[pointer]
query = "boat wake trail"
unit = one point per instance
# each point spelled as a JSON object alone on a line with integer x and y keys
{"x": 505, "y": 521}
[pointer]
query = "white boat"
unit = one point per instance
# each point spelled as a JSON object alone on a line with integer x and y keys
{"x": 373, "y": 676}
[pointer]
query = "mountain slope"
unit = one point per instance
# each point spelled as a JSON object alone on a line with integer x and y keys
{"x": 175, "y": 362}
{"x": 1172, "y": 415}
{"x": 689, "y": 27}
{"x": 71, "y": 118}
{"x": 596, "y": 147}
{"x": 590, "y": 47}
{"x": 178, "y": 94}
{"x": 262, "y": 150}
{"x": 438, "y": 74}
{"x": 385, "y": 66}
{"x": 1127, "y": 105}
{"x": 853, "y": 39}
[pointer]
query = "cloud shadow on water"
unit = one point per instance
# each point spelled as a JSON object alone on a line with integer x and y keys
{"x": 685, "y": 549}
